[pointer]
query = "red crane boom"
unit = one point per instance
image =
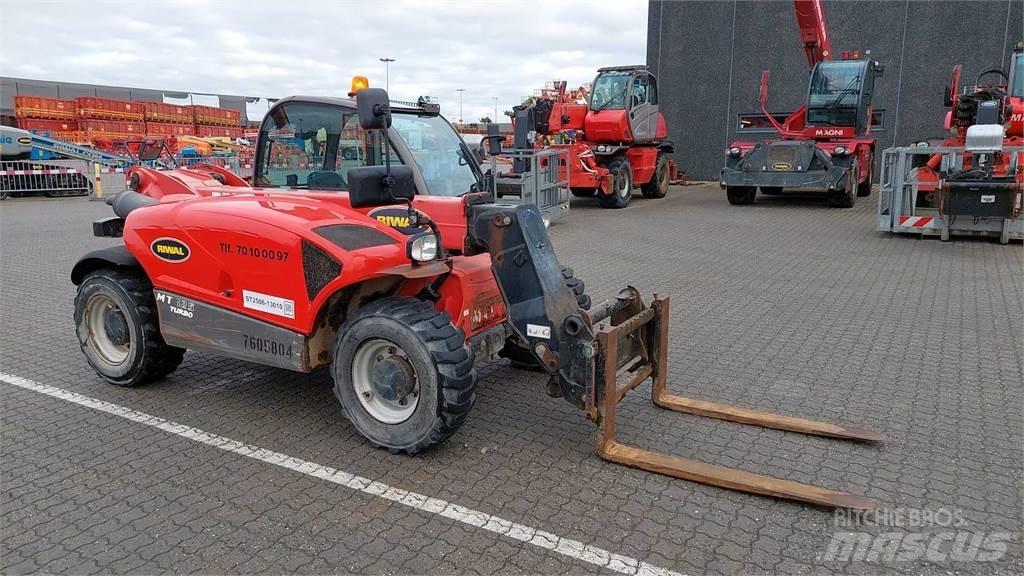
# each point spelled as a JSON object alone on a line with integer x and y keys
{"x": 810, "y": 18}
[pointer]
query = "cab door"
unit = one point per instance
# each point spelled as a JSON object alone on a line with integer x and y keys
{"x": 643, "y": 107}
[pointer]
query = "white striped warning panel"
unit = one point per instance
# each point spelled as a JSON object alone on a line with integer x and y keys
{"x": 917, "y": 221}
{"x": 534, "y": 536}
{"x": 38, "y": 172}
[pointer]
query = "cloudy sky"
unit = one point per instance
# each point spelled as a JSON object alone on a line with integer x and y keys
{"x": 500, "y": 49}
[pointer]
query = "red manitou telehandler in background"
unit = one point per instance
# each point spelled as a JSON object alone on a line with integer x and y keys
{"x": 826, "y": 145}
{"x": 393, "y": 266}
{"x": 972, "y": 182}
{"x": 616, "y": 141}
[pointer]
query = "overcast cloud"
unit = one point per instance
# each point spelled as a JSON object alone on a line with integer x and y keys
{"x": 262, "y": 48}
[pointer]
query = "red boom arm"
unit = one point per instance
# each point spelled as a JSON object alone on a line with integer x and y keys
{"x": 810, "y": 18}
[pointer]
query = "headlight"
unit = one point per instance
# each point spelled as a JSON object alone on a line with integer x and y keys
{"x": 422, "y": 247}
{"x": 922, "y": 144}
{"x": 734, "y": 151}
{"x": 839, "y": 151}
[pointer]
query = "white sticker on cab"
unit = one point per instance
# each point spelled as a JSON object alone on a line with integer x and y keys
{"x": 269, "y": 304}
{"x": 536, "y": 331}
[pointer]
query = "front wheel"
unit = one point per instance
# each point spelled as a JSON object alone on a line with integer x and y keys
{"x": 740, "y": 195}
{"x": 846, "y": 197}
{"x": 403, "y": 374}
{"x": 658, "y": 186}
{"x": 622, "y": 188}
{"x": 118, "y": 329}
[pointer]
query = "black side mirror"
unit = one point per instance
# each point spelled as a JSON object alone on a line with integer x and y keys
{"x": 374, "y": 108}
{"x": 477, "y": 151}
{"x": 493, "y": 139}
{"x": 366, "y": 185}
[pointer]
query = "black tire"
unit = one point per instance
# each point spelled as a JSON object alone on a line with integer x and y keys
{"x": 622, "y": 187}
{"x": 771, "y": 190}
{"x": 127, "y": 295}
{"x": 583, "y": 192}
{"x": 864, "y": 188}
{"x": 741, "y": 195}
{"x": 658, "y": 185}
{"x": 519, "y": 355}
{"x": 846, "y": 197}
{"x": 442, "y": 369}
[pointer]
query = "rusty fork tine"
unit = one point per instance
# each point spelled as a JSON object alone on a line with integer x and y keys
{"x": 730, "y": 478}
{"x": 663, "y": 399}
{"x": 656, "y": 357}
{"x": 764, "y": 419}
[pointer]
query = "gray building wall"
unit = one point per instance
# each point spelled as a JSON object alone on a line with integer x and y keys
{"x": 708, "y": 56}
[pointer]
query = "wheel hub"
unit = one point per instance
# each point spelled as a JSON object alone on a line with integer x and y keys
{"x": 385, "y": 381}
{"x": 393, "y": 378}
{"x": 115, "y": 327}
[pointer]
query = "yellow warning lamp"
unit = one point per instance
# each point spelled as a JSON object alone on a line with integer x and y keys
{"x": 358, "y": 83}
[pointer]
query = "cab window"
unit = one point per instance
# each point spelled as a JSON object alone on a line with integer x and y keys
{"x": 313, "y": 146}
{"x": 639, "y": 90}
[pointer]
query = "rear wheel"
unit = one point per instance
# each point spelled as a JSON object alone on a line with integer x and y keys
{"x": 403, "y": 374}
{"x": 658, "y": 186}
{"x": 518, "y": 354}
{"x": 119, "y": 331}
{"x": 622, "y": 184}
{"x": 583, "y": 192}
{"x": 740, "y": 195}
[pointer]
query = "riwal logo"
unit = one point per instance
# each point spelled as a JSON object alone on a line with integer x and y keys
{"x": 397, "y": 218}
{"x": 170, "y": 250}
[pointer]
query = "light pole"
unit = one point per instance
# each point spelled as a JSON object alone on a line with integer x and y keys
{"x": 495, "y": 98}
{"x": 387, "y": 72}
{"x": 460, "y": 91}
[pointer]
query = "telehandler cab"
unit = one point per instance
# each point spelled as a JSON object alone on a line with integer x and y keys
{"x": 390, "y": 268}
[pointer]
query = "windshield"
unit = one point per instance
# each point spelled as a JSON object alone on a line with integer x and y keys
{"x": 308, "y": 145}
{"x": 1017, "y": 76}
{"x": 834, "y": 95}
{"x": 312, "y": 146}
{"x": 609, "y": 91}
{"x": 438, "y": 151}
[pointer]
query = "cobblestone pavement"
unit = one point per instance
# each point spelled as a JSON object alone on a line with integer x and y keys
{"x": 786, "y": 305}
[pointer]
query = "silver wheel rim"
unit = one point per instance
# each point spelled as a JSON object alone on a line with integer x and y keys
{"x": 97, "y": 312}
{"x": 367, "y": 356}
{"x": 624, "y": 184}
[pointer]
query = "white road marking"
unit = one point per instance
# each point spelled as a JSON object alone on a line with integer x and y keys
{"x": 565, "y": 546}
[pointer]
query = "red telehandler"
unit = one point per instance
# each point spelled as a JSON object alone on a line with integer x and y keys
{"x": 826, "y": 145}
{"x": 972, "y": 183}
{"x": 395, "y": 268}
{"x": 616, "y": 142}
